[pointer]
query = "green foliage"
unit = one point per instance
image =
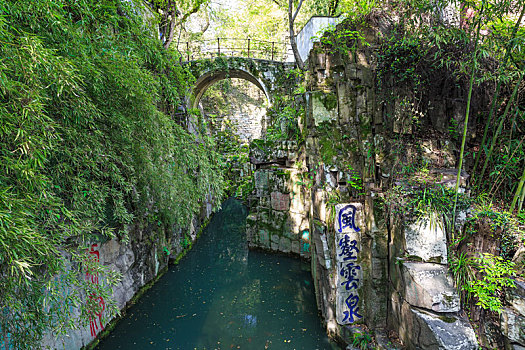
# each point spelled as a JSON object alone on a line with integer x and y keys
{"x": 262, "y": 20}
{"x": 420, "y": 197}
{"x": 307, "y": 180}
{"x": 453, "y": 129}
{"x": 485, "y": 276}
{"x": 496, "y": 274}
{"x": 233, "y": 152}
{"x": 245, "y": 186}
{"x": 283, "y": 125}
{"x": 334, "y": 198}
{"x": 355, "y": 8}
{"x": 361, "y": 341}
{"x": 504, "y": 226}
{"x": 85, "y": 152}
{"x": 461, "y": 267}
{"x": 297, "y": 75}
{"x": 400, "y": 58}
{"x": 503, "y": 27}
{"x": 355, "y": 182}
{"x": 341, "y": 38}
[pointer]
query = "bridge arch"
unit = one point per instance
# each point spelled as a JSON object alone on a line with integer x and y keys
{"x": 265, "y": 74}
{"x": 211, "y": 77}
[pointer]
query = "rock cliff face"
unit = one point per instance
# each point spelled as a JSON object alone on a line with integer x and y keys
{"x": 373, "y": 267}
{"x": 139, "y": 260}
{"x": 279, "y": 219}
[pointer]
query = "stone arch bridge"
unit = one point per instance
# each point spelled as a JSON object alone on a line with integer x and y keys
{"x": 269, "y": 76}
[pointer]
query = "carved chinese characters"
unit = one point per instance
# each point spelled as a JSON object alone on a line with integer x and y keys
{"x": 348, "y": 248}
{"x": 95, "y": 319}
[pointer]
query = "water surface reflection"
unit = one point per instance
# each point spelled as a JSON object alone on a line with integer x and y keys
{"x": 223, "y": 296}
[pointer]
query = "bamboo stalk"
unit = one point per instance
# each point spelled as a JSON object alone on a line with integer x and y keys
{"x": 512, "y": 122}
{"x": 498, "y": 87}
{"x": 518, "y": 191}
{"x": 465, "y": 126}
{"x": 500, "y": 126}
{"x": 497, "y": 183}
{"x": 522, "y": 199}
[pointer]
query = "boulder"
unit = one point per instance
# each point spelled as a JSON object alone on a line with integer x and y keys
{"x": 447, "y": 332}
{"x": 424, "y": 329}
{"x": 429, "y": 286}
{"x": 426, "y": 240}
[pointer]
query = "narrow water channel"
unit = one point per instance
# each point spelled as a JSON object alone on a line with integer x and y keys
{"x": 223, "y": 296}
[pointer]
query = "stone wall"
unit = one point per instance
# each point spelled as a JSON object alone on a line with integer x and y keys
{"x": 357, "y": 145}
{"x": 139, "y": 260}
{"x": 375, "y": 269}
{"x": 236, "y": 106}
{"x": 309, "y": 33}
{"x": 278, "y": 219}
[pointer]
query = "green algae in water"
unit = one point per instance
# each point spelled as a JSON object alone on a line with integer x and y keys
{"x": 223, "y": 296}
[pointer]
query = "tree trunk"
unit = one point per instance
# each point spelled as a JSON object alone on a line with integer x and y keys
{"x": 291, "y": 19}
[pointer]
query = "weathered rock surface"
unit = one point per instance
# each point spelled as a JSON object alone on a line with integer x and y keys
{"x": 513, "y": 326}
{"x": 139, "y": 261}
{"x": 429, "y": 286}
{"x": 324, "y": 107}
{"x": 426, "y": 239}
{"x": 516, "y": 296}
{"x": 423, "y": 329}
{"x": 519, "y": 260}
{"x": 447, "y": 332}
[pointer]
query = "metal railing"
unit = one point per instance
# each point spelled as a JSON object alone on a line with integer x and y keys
{"x": 235, "y": 47}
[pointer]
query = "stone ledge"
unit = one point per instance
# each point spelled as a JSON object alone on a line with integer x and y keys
{"x": 446, "y": 331}
{"x": 423, "y": 329}
{"x": 428, "y": 286}
{"x": 426, "y": 240}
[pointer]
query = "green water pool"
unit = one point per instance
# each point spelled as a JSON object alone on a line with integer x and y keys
{"x": 223, "y": 296}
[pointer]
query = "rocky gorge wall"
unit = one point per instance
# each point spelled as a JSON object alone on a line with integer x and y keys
{"x": 375, "y": 267}
{"x": 278, "y": 219}
{"x": 142, "y": 258}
